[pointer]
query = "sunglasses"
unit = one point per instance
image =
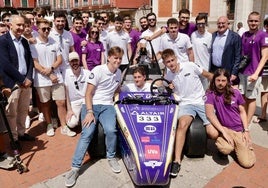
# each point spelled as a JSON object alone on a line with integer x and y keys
{"x": 39, "y": 15}
{"x": 94, "y": 32}
{"x": 44, "y": 29}
{"x": 5, "y": 20}
{"x": 200, "y": 24}
{"x": 76, "y": 85}
{"x": 151, "y": 19}
{"x": 85, "y": 17}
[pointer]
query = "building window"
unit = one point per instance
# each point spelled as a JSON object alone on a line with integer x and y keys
{"x": 7, "y": 3}
{"x": 182, "y": 4}
{"x": 85, "y": 2}
{"x": 54, "y": 4}
{"x": 230, "y": 9}
{"x": 75, "y": 3}
{"x": 95, "y": 2}
{"x": 24, "y": 3}
{"x": 61, "y": 3}
{"x": 106, "y": 2}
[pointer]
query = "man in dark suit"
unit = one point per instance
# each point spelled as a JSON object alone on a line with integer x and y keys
{"x": 226, "y": 49}
{"x": 16, "y": 66}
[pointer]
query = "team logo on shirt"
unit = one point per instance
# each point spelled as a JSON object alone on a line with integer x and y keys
{"x": 204, "y": 98}
{"x": 188, "y": 74}
{"x": 266, "y": 40}
{"x": 91, "y": 76}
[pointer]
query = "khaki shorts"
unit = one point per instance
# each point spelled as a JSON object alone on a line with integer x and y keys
{"x": 57, "y": 92}
{"x": 264, "y": 84}
{"x": 249, "y": 89}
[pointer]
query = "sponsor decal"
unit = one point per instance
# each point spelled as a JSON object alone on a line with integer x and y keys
{"x": 91, "y": 76}
{"x": 148, "y": 118}
{"x": 145, "y": 139}
{"x": 149, "y": 128}
{"x": 122, "y": 109}
{"x": 152, "y": 152}
{"x": 155, "y": 140}
{"x": 152, "y": 164}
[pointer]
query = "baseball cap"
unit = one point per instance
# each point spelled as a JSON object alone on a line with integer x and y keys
{"x": 73, "y": 55}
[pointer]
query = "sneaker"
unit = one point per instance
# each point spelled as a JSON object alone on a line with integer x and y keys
{"x": 27, "y": 122}
{"x": 175, "y": 168}
{"x": 71, "y": 177}
{"x": 65, "y": 130}
{"x": 50, "y": 130}
{"x": 41, "y": 117}
{"x": 54, "y": 122}
{"x": 6, "y": 161}
{"x": 115, "y": 166}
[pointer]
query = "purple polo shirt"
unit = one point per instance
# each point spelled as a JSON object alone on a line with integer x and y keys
{"x": 227, "y": 114}
{"x": 251, "y": 46}
{"x": 134, "y": 37}
{"x": 93, "y": 51}
{"x": 78, "y": 38}
{"x": 189, "y": 29}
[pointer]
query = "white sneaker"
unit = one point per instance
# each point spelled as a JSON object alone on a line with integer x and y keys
{"x": 50, "y": 130}
{"x": 54, "y": 122}
{"x": 27, "y": 122}
{"x": 41, "y": 117}
{"x": 65, "y": 130}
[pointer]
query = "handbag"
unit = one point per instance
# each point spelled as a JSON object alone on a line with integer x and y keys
{"x": 265, "y": 69}
{"x": 245, "y": 60}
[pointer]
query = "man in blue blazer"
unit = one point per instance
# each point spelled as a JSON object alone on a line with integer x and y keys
{"x": 16, "y": 66}
{"x": 226, "y": 49}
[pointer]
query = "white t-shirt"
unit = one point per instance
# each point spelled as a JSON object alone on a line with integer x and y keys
{"x": 77, "y": 86}
{"x": 155, "y": 42}
{"x": 67, "y": 42}
{"x": 121, "y": 39}
{"x": 103, "y": 39}
{"x": 187, "y": 83}
{"x": 105, "y": 82}
{"x": 202, "y": 48}
{"x": 180, "y": 45}
{"x": 131, "y": 87}
{"x": 46, "y": 54}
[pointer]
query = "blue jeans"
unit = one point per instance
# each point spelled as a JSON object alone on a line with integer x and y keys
{"x": 106, "y": 115}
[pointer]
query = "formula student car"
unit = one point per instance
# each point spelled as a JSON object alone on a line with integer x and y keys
{"x": 147, "y": 124}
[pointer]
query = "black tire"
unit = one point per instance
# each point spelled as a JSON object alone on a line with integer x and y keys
{"x": 196, "y": 139}
{"x": 97, "y": 147}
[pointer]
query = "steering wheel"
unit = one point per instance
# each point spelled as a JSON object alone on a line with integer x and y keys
{"x": 163, "y": 89}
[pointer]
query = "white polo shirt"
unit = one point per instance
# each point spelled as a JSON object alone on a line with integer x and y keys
{"x": 67, "y": 42}
{"x": 155, "y": 42}
{"x": 76, "y": 91}
{"x": 121, "y": 39}
{"x": 202, "y": 48}
{"x": 187, "y": 83}
{"x": 180, "y": 45}
{"x": 105, "y": 82}
{"x": 131, "y": 87}
{"x": 46, "y": 54}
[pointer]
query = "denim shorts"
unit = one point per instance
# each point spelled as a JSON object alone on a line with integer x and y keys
{"x": 193, "y": 110}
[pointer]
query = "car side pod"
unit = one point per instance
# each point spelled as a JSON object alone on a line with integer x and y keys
{"x": 196, "y": 139}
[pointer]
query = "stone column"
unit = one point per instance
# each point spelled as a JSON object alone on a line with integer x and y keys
{"x": 242, "y": 10}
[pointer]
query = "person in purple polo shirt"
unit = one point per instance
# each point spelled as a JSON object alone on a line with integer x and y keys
{"x": 93, "y": 52}
{"x": 78, "y": 35}
{"x": 226, "y": 112}
{"x": 133, "y": 33}
{"x": 255, "y": 47}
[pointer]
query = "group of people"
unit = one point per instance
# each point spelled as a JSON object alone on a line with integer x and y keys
{"x": 80, "y": 70}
